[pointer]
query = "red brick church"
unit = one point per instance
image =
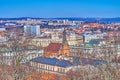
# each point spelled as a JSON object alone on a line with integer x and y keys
{"x": 58, "y": 49}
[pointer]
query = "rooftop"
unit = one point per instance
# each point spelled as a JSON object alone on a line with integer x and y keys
{"x": 65, "y": 63}
{"x": 52, "y": 61}
{"x": 53, "y": 47}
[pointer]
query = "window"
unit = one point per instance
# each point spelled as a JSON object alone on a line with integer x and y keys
{"x": 60, "y": 69}
{"x": 48, "y": 67}
{"x": 53, "y": 68}
{"x": 39, "y": 65}
{"x": 63, "y": 70}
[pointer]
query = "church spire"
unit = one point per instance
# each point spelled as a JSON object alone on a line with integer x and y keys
{"x": 64, "y": 36}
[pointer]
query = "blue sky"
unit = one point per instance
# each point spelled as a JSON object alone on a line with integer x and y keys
{"x": 59, "y": 8}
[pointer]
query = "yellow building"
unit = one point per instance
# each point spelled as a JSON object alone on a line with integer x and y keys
{"x": 43, "y": 42}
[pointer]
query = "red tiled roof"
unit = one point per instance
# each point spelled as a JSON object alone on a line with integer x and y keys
{"x": 2, "y": 32}
{"x": 112, "y": 33}
{"x": 45, "y": 76}
{"x": 78, "y": 31}
{"x": 91, "y": 25}
{"x": 43, "y": 29}
{"x": 53, "y": 47}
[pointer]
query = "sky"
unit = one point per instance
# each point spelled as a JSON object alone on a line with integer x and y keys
{"x": 59, "y": 8}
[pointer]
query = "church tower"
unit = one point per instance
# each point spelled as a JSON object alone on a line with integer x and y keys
{"x": 65, "y": 47}
{"x": 64, "y": 37}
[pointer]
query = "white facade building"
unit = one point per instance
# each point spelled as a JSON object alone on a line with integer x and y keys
{"x": 32, "y": 30}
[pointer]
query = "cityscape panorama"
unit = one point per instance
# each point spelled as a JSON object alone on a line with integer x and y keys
{"x": 59, "y": 39}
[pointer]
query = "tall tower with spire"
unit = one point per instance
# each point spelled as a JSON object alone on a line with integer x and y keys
{"x": 64, "y": 37}
{"x": 65, "y": 47}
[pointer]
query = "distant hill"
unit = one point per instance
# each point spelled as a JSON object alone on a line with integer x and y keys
{"x": 21, "y": 18}
{"x": 101, "y": 20}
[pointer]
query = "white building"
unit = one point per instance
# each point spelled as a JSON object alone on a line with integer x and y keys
{"x": 88, "y": 37}
{"x": 53, "y": 65}
{"x": 8, "y": 56}
{"x": 2, "y": 29}
{"x": 30, "y": 30}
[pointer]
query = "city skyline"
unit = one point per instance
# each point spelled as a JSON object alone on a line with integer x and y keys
{"x": 59, "y": 8}
{"x": 59, "y": 40}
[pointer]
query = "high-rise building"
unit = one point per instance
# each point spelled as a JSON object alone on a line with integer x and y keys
{"x": 35, "y": 30}
{"x": 27, "y": 30}
{"x": 32, "y": 30}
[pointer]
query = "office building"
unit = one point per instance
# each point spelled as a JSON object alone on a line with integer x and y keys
{"x": 32, "y": 30}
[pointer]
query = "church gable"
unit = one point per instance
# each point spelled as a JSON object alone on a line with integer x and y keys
{"x": 52, "y": 49}
{"x": 58, "y": 49}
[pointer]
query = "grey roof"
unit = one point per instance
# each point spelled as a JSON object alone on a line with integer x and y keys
{"x": 52, "y": 61}
{"x": 65, "y": 63}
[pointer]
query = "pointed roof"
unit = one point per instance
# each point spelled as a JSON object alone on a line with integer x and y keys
{"x": 53, "y": 47}
{"x": 64, "y": 36}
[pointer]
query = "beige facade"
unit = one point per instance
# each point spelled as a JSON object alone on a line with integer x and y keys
{"x": 43, "y": 42}
{"x": 50, "y": 68}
